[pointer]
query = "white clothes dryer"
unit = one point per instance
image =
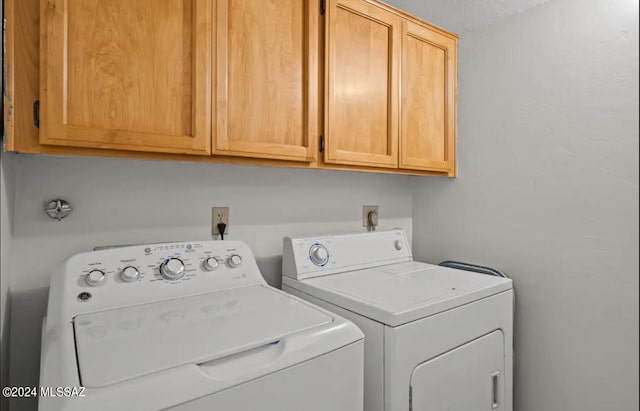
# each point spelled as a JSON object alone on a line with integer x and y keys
{"x": 435, "y": 338}
{"x": 191, "y": 326}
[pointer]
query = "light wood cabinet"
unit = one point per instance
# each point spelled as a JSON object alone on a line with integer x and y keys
{"x": 390, "y": 89}
{"x": 362, "y": 63}
{"x": 126, "y": 74}
{"x": 232, "y": 81}
{"x": 266, "y": 81}
{"x": 427, "y": 125}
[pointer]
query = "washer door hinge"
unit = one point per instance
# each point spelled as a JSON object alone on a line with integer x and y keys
{"x": 36, "y": 113}
{"x": 321, "y": 144}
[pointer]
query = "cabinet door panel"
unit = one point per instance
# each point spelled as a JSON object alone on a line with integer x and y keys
{"x": 126, "y": 74}
{"x": 362, "y": 70}
{"x": 267, "y": 78}
{"x": 427, "y": 131}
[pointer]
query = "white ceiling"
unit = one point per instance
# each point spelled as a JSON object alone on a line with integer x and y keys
{"x": 463, "y": 16}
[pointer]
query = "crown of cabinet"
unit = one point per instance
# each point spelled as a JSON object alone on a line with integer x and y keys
{"x": 236, "y": 81}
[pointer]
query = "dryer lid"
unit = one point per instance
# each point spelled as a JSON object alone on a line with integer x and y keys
{"x": 117, "y": 345}
{"x": 396, "y": 294}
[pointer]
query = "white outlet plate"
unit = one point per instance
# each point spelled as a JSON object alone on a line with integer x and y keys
{"x": 219, "y": 215}
{"x": 365, "y": 214}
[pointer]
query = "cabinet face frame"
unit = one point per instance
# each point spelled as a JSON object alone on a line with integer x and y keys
{"x": 223, "y": 144}
{"x": 368, "y": 11}
{"x": 408, "y": 157}
{"x": 54, "y": 81}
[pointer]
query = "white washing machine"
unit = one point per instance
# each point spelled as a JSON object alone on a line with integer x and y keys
{"x": 436, "y": 338}
{"x": 191, "y": 326}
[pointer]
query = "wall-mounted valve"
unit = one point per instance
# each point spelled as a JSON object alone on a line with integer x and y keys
{"x": 370, "y": 217}
{"x": 58, "y": 209}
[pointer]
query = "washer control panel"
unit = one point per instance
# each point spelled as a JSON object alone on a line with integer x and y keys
{"x": 117, "y": 277}
{"x": 307, "y": 257}
{"x": 169, "y": 263}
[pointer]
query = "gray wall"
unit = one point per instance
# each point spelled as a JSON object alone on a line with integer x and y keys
{"x": 464, "y": 16}
{"x": 6, "y": 207}
{"x": 118, "y": 201}
{"x": 548, "y": 192}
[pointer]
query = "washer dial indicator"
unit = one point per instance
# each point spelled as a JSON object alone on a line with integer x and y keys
{"x": 129, "y": 273}
{"x": 172, "y": 269}
{"x": 210, "y": 263}
{"x": 234, "y": 260}
{"x": 94, "y": 277}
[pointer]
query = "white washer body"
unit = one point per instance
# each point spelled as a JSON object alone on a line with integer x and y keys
{"x": 216, "y": 338}
{"x": 435, "y": 338}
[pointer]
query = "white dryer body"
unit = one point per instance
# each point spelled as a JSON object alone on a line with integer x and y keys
{"x": 435, "y": 338}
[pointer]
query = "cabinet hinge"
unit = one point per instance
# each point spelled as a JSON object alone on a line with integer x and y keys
{"x": 321, "y": 144}
{"x": 322, "y": 7}
{"x": 36, "y": 113}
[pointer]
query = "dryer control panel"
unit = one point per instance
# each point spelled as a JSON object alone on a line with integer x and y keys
{"x": 307, "y": 257}
{"x": 123, "y": 276}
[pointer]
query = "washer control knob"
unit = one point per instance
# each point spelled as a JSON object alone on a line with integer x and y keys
{"x": 398, "y": 245}
{"x": 210, "y": 263}
{"x": 94, "y": 277}
{"x": 129, "y": 273}
{"x": 172, "y": 269}
{"x": 234, "y": 260}
{"x": 319, "y": 254}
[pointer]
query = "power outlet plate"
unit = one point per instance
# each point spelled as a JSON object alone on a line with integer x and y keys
{"x": 365, "y": 214}
{"x": 219, "y": 215}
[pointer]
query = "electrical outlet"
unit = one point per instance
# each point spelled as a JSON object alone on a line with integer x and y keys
{"x": 365, "y": 213}
{"x": 219, "y": 215}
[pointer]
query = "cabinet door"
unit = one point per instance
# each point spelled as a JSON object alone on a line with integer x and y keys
{"x": 126, "y": 74}
{"x": 427, "y": 130}
{"x": 362, "y": 73}
{"x": 267, "y": 79}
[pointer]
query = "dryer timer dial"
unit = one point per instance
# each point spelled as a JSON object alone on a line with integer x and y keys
{"x": 318, "y": 254}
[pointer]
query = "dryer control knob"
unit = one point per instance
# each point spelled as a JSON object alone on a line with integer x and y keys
{"x": 210, "y": 263}
{"x": 319, "y": 254}
{"x": 398, "y": 245}
{"x": 172, "y": 269}
{"x": 129, "y": 273}
{"x": 94, "y": 277}
{"x": 234, "y": 260}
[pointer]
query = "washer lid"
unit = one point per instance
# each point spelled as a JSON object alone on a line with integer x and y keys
{"x": 399, "y": 293}
{"x": 121, "y": 344}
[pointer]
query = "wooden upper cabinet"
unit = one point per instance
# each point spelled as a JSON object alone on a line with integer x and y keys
{"x": 427, "y": 128}
{"x": 362, "y": 64}
{"x": 266, "y": 80}
{"x": 259, "y": 79}
{"x": 126, "y": 74}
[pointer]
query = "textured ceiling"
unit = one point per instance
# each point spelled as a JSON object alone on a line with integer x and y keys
{"x": 463, "y": 16}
